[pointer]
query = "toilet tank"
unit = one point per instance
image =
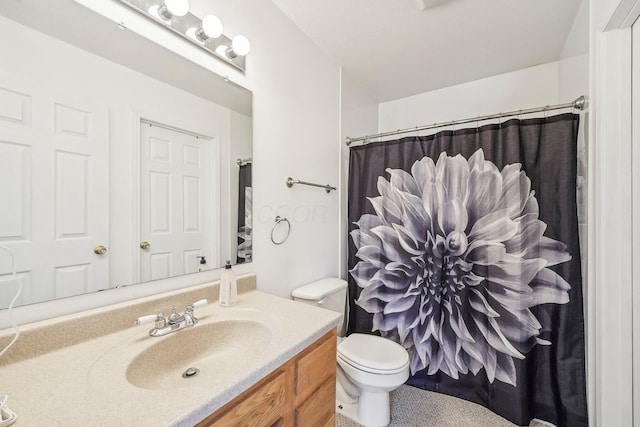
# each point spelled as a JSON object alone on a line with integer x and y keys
{"x": 329, "y": 293}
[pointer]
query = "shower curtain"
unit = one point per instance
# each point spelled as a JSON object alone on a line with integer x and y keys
{"x": 245, "y": 195}
{"x": 464, "y": 249}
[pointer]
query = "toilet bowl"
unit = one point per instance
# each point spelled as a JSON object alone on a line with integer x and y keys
{"x": 373, "y": 366}
{"x": 369, "y": 366}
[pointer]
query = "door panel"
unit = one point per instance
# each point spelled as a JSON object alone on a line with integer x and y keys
{"x": 15, "y": 168}
{"x": 72, "y": 209}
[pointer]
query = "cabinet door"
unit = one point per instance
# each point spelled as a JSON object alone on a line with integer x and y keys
{"x": 319, "y": 408}
{"x": 316, "y": 366}
{"x": 315, "y": 383}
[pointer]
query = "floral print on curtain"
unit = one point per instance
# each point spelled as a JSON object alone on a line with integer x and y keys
{"x": 452, "y": 262}
{"x": 464, "y": 249}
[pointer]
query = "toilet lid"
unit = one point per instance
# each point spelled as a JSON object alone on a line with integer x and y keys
{"x": 373, "y": 353}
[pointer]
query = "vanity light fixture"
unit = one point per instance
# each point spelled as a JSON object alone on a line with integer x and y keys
{"x": 205, "y": 33}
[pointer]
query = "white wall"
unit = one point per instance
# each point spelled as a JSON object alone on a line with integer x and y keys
{"x": 296, "y": 133}
{"x": 359, "y": 116}
{"x": 531, "y": 87}
{"x": 577, "y": 41}
{"x": 573, "y": 65}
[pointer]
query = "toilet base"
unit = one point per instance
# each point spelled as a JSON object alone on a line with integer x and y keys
{"x": 371, "y": 409}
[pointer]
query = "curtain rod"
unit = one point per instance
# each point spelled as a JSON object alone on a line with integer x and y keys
{"x": 578, "y": 104}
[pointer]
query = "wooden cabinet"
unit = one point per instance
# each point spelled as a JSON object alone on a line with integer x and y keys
{"x": 302, "y": 392}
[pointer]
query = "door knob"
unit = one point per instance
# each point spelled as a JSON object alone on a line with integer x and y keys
{"x": 145, "y": 245}
{"x": 99, "y": 250}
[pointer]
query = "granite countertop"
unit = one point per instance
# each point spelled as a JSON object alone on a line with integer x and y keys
{"x": 87, "y": 383}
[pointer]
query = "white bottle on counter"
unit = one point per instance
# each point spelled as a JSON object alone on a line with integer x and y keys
{"x": 228, "y": 287}
{"x": 203, "y": 263}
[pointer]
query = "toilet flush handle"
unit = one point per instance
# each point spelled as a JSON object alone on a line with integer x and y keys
{"x": 321, "y": 301}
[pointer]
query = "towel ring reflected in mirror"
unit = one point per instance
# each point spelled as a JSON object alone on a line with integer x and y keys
{"x": 280, "y": 219}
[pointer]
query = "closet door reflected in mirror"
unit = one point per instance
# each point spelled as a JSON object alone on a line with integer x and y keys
{"x": 176, "y": 218}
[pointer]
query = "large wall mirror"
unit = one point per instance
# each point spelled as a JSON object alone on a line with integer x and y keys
{"x": 120, "y": 161}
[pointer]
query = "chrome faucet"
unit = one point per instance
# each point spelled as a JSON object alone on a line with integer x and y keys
{"x": 174, "y": 322}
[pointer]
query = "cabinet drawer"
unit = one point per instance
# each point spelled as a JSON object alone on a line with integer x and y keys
{"x": 316, "y": 367}
{"x": 263, "y": 406}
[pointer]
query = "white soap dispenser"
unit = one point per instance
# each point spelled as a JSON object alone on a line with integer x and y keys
{"x": 228, "y": 287}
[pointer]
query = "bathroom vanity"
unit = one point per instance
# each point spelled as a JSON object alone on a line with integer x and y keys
{"x": 301, "y": 392}
{"x": 266, "y": 361}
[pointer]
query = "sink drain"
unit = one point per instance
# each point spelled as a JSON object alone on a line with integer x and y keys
{"x": 191, "y": 372}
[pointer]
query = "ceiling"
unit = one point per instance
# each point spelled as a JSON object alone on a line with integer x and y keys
{"x": 393, "y": 49}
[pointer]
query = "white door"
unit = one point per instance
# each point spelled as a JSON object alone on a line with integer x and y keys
{"x": 175, "y": 202}
{"x": 54, "y": 185}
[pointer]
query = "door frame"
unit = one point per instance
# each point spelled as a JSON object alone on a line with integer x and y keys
{"x": 213, "y": 176}
{"x": 613, "y": 223}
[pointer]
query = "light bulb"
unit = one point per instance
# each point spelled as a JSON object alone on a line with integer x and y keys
{"x": 222, "y": 50}
{"x": 177, "y": 7}
{"x": 240, "y": 46}
{"x": 212, "y": 26}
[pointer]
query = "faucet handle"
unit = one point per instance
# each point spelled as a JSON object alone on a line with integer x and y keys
{"x": 199, "y": 303}
{"x": 148, "y": 319}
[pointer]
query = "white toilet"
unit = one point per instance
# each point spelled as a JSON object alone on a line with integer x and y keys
{"x": 369, "y": 366}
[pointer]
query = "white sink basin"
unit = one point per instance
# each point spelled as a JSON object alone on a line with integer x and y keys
{"x": 211, "y": 348}
{"x": 221, "y": 347}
